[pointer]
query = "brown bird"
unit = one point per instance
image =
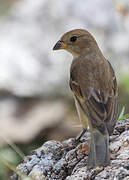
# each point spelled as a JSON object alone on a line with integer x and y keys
{"x": 94, "y": 86}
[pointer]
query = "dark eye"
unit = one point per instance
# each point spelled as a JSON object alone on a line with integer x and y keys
{"x": 73, "y": 38}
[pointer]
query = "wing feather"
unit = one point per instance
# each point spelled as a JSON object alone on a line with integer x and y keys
{"x": 99, "y": 104}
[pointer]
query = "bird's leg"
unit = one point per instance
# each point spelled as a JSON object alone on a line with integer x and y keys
{"x": 82, "y": 117}
{"x": 80, "y": 135}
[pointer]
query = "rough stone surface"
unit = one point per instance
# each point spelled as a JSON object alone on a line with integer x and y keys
{"x": 67, "y": 160}
{"x": 30, "y": 69}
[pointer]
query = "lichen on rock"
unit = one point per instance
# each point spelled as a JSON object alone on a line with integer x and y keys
{"x": 68, "y": 160}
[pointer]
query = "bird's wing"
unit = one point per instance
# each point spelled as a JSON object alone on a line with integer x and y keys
{"x": 102, "y": 110}
{"x": 112, "y": 104}
{"x": 100, "y": 106}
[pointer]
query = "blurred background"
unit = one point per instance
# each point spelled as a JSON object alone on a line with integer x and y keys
{"x": 36, "y": 103}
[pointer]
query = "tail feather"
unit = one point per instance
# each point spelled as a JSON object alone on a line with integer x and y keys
{"x": 99, "y": 150}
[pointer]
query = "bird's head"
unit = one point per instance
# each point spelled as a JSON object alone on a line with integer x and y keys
{"x": 77, "y": 42}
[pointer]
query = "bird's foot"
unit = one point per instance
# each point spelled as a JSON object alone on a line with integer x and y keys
{"x": 77, "y": 139}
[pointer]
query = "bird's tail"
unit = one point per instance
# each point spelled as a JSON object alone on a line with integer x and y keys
{"x": 99, "y": 154}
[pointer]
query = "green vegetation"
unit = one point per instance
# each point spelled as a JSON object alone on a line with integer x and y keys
{"x": 123, "y": 116}
{"x": 8, "y": 160}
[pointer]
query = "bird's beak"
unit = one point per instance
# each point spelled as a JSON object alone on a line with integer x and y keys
{"x": 60, "y": 45}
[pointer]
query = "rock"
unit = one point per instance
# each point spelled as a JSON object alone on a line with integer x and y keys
{"x": 67, "y": 160}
